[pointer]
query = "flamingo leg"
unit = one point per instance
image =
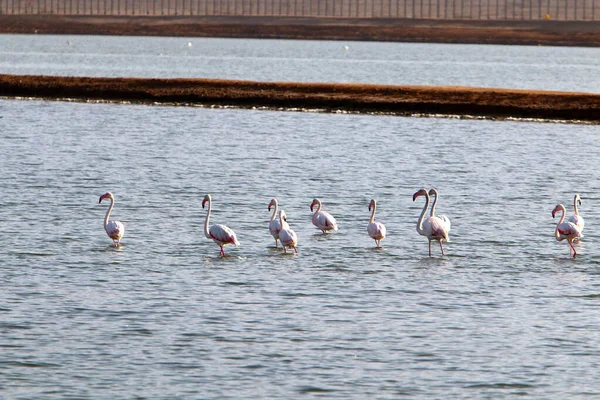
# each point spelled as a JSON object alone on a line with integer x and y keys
{"x": 284, "y": 250}
{"x": 574, "y": 251}
{"x": 442, "y": 247}
{"x": 276, "y": 244}
{"x": 222, "y": 251}
{"x": 295, "y": 250}
{"x": 430, "y": 248}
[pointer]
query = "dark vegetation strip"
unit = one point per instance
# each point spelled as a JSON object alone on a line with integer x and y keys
{"x": 553, "y": 33}
{"x": 401, "y": 100}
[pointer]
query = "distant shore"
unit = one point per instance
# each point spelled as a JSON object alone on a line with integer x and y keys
{"x": 552, "y": 33}
{"x": 352, "y": 98}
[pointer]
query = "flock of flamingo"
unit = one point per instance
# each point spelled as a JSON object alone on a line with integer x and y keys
{"x": 434, "y": 228}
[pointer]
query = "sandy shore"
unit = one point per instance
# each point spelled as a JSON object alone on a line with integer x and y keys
{"x": 385, "y": 99}
{"x": 557, "y": 33}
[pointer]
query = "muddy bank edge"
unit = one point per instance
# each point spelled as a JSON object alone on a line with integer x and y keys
{"x": 358, "y": 98}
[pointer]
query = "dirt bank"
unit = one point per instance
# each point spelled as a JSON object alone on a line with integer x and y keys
{"x": 558, "y": 33}
{"x": 400, "y": 100}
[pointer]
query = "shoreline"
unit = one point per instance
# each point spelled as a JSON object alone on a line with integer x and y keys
{"x": 446, "y": 101}
{"x": 504, "y": 32}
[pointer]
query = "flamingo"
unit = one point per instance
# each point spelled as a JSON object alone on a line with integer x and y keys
{"x": 433, "y": 227}
{"x": 274, "y": 224}
{"x": 376, "y": 229}
{"x": 445, "y": 219}
{"x": 566, "y": 230}
{"x": 577, "y": 219}
{"x": 287, "y": 236}
{"x": 322, "y": 219}
{"x": 221, "y": 234}
{"x": 114, "y": 229}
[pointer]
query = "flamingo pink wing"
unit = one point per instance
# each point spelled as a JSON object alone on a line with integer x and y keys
{"x": 324, "y": 220}
{"x": 275, "y": 228}
{"x": 569, "y": 229}
{"x": 115, "y": 230}
{"x": 223, "y": 234}
{"x": 376, "y": 230}
{"x": 288, "y": 237}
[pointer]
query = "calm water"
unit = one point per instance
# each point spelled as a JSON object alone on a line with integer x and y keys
{"x": 506, "y": 314}
{"x": 522, "y": 67}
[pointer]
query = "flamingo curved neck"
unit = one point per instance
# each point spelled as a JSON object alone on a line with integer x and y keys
{"x": 206, "y": 231}
{"x": 318, "y": 207}
{"x": 274, "y": 212}
{"x": 107, "y": 216}
{"x": 420, "y": 222}
{"x": 284, "y": 224}
{"x": 575, "y": 206}
{"x": 562, "y": 218}
{"x": 373, "y": 214}
{"x": 433, "y": 205}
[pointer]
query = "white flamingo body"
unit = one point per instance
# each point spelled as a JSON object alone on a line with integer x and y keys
{"x": 274, "y": 224}
{"x": 434, "y": 228}
{"x": 322, "y": 219}
{"x": 566, "y": 230}
{"x": 220, "y": 234}
{"x": 114, "y": 229}
{"x": 576, "y": 218}
{"x": 375, "y": 229}
{"x": 287, "y": 236}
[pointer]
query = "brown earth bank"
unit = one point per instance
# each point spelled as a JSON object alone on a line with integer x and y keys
{"x": 558, "y": 33}
{"x": 399, "y": 100}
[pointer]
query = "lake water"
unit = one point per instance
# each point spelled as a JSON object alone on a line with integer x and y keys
{"x": 520, "y": 67}
{"x": 507, "y": 313}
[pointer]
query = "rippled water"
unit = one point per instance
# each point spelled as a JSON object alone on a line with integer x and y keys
{"x": 507, "y": 313}
{"x": 521, "y": 67}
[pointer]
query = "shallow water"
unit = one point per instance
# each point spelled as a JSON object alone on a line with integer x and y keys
{"x": 507, "y": 313}
{"x": 519, "y": 67}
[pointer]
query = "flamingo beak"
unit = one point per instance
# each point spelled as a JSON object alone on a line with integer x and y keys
{"x": 203, "y": 203}
{"x": 311, "y": 207}
{"x": 421, "y": 192}
{"x": 553, "y": 213}
{"x": 369, "y": 207}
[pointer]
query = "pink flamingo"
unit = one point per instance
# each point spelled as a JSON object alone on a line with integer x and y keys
{"x": 322, "y": 219}
{"x": 114, "y": 229}
{"x": 566, "y": 230}
{"x": 433, "y": 227}
{"x": 445, "y": 219}
{"x": 577, "y": 219}
{"x": 274, "y": 224}
{"x": 221, "y": 234}
{"x": 287, "y": 236}
{"x": 376, "y": 229}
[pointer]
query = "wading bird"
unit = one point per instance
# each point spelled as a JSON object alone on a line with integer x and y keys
{"x": 221, "y": 234}
{"x": 577, "y": 219}
{"x": 566, "y": 230}
{"x": 322, "y": 219}
{"x": 274, "y": 224}
{"x": 114, "y": 229}
{"x": 376, "y": 229}
{"x": 433, "y": 227}
{"x": 445, "y": 219}
{"x": 287, "y": 236}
